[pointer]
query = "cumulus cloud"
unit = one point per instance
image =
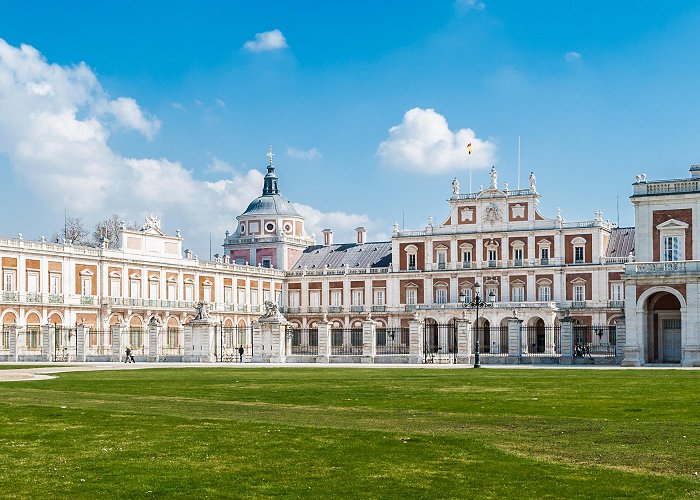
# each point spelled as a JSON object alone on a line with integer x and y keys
{"x": 572, "y": 56}
{"x": 55, "y": 123}
{"x": 423, "y": 142}
{"x": 266, "y": 41}
{"x": 470, "y": 5}
{"x": 343, "y": 224}
{"x": 301, "y": 154}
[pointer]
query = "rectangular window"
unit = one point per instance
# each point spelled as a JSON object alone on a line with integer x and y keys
{"x": 315, "y": 298}
{"x": 189, "y": 293}
{"x": 55, "y": 284}
{"x": 153, "y": 290}
{"x": 266, "y": 296}
{"x": 411, "y": 262}
{"x": 241, "y": 296}
{"x": 579, "y": 293}
{"x": 172, "y": 291}
{"x": 672, "y": 249}
{"x": 228, "y": 295}
{"x": 115, "y": 289}
{"x": 32, "y": 283}
{"x": 442, "y": 260}
{"x": 544, "y": 255}
{"x": 357, "y": 297}
{"x": 578, "y": 255}
{"x": 379, "y": 297}
{"x": 616, "y": 292}
{"x": 266, "y": 262}
{"x": 441, "y": 295}
{"x": 86, "y": 287}
{"x": 518, "y": 294}
{"x": 491, "y": 294}
{"x": 206, "y": 290}
{"x": 254, "y": 298}
{"x": 466, "y": 295}
{"x": 492, "y": 257}
{"x": 411, "y": 296}
{"x": 294, "y": 299}
{"x": 10, "y": 280}
{"x": 466, "y": 259}
{"x": 544, "y": 294}
{"x": 517, "y": 256}
{"x": 135, "y": 288}
{"x": 240, "y": 261}
{"x": 336, "y": 298}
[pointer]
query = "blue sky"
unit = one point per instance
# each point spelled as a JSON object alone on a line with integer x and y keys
{"x": 367, "y": 105}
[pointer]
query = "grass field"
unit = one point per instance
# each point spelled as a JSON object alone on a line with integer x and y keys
{"x": 392, "y": 433}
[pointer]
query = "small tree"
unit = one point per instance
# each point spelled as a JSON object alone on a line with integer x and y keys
{"x": 108, "y": 228}
{"x": 73, "y": 232}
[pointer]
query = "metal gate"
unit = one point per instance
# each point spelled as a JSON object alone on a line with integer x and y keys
{"x": 230, "y": 339}
{"x": 440, "y": 343}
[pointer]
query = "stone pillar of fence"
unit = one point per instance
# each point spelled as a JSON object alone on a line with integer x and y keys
{"x": 415, "y": 338}
{"x": 324, "y": 342}
{"x": 620, "y": 337}
{"x": 48, "y": 342}
{"x": 154, "y": 341}
{"x": 116, "y": 333}
{"x": 81, "y": 333}
{"x": 464, "y": 351}
{"x": 272, "y": 340}
{"x": 199, "y": 341}
{"x": 567, "y": 340}
{"x": 13, "y": 333}
{"x": 369, "y": 340}
{"x": 515, "y": 336}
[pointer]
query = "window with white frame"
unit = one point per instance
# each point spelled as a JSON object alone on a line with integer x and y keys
{"x": 315, "y": 298}
{"x": 135, "y": 288}
{"x": 466, "y": 251}
{"x": 579, "y": 293}
{"x": 544, "y": 293}
{"x": 579, "y": 245}
{"x": 32, "y": 283}
{"x": 241, "y": 296}
{"x": 206, "y": 292}
{"x": 411, "y": 257}
{"x": 518, "y": 293}
{"x": 492, "y": 256}
{"x": 266, "y": 295}
{"x": 9, "y": 280}
{"x": 441, "y": 257}
{"x": 357, "y": 297}
{"x": 228, "y": 295}
{"x": 378, "y": 296}
{"x": 254, "y": 297}
{"x": 441, "y": 294}
{"x": 411, "y": 294}
{"x": 672, "y": 237}
{"x": 294, "y": 297}
{"x": 544, "y": 255}
{"x": 336, "y": 298}
{"x": 491, "y": 294}
{"x": 86, "y": 286}
{"x": 172, "y": 290}
{"x": 466, "y": 295}
{"x": 189, "y": 292}
{"x": 518, "y": 253}
{"x": 115, "y": 287}
{"x": 616, "y": 292}
{"x": 55, "y": 284}
{"x": 153, "y": 286}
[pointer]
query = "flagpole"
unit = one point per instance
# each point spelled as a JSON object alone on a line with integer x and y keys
{"x": 518, "y": 162}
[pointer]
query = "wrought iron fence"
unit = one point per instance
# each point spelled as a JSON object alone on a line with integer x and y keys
{"x": 541, "y": 340}
{"x": 304, "y": 341}
{"x": 440, "y": 343}
{"x": 346, "y": 341}
{"x": 391, "y": 341}
{"x": 595, "y": 340}
{"x": 494, "y": 340}
{"x": 231, "y": 339}
{"x": 99, "y": 342}
{"x": 172, "y": 340}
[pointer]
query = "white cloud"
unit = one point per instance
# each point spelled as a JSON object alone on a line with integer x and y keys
{"x": 572, "y": 56}
{"x": 268, "y": 40}
{"x": 54, "y": 129}
{"x": 301, "y": 154}
{"x": 343, "y": 224}
{"x": 423, "y": 142}
{"x": 177, "y": 105}
{"x": 220, "y": 102}
{"x": 469, "y": 5}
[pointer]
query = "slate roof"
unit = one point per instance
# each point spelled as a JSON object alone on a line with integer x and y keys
{"x": 377, "y": 254}
{"x": 271, "y": 204}
{"x": 621, "y": 242}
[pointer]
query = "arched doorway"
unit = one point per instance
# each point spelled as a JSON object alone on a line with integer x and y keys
{"x": 663, "y": 328}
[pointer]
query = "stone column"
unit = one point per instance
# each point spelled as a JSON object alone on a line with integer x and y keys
{"x": 48, "y": 342}
{"x": 620, "y": 337}
{"x": 369, "y": 341}
{"x": 81, "y": 333}
{"x": 116, "y": 331}
{"x": 464, "y": 347}
{"x": 415, "y": 336}
{"x": 154, "y": 342}
{"x": 12, "y": 332}
{"x": 514, "y": 339}
{"x": 257, "y": 342}
{"x": 324, "y": 342}
{"x": 567, "y": 341}
{"x": 272, "y": 340}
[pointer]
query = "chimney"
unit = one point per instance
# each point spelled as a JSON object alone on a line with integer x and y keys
{"x": 361, "y": 235}
{"x": 327, "y": 237}
{"x": 188, "y": 254}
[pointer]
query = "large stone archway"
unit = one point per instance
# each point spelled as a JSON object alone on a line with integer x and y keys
{"x": 663, "y": 336}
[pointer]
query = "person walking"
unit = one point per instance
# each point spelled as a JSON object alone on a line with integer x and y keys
{"x": 240, "y": 353}
{"x": 129, "y": 357}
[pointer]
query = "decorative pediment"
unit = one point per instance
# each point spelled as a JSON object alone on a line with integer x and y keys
{"x": 85, "y": 272}
{"x": 517, "y": 282}
{"x": 544, "y": 282}
{"x": 410, "y": 249}
{"x": 115, "y": 274}
{"x": 672, "y": 224}
{"x": 578, "y": 281}
{"x": 578, "y": 241}
{"x": 517, "y": 244}
{"x": 440, "y": 284}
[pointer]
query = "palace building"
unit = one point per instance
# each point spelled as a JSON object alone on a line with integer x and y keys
{"x": 496, "y": 281}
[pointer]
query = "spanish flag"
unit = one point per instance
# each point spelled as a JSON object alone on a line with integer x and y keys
{"x": 469, "y": 148}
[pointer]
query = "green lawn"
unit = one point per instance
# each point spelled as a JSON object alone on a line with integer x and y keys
{"x": 393, "y": 433}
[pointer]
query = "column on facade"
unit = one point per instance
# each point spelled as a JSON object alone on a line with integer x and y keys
{"x": 531, "y": 288}
{"x": 531, "y": 249}
{"x": 454, "y": 289}
{"x": 368, "y": 299}
{"x": 454, "y": 256}
{"x": 479, "y": 251}
{"x": 504, "y": 293}
{"x": 428, "y": 254}
{"x": 304, "y": 299}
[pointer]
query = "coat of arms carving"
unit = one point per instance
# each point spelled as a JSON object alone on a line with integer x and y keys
{"x": 492, "y": 214}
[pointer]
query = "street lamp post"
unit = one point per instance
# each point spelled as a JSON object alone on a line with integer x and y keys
{"x": 477, "y": 303}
